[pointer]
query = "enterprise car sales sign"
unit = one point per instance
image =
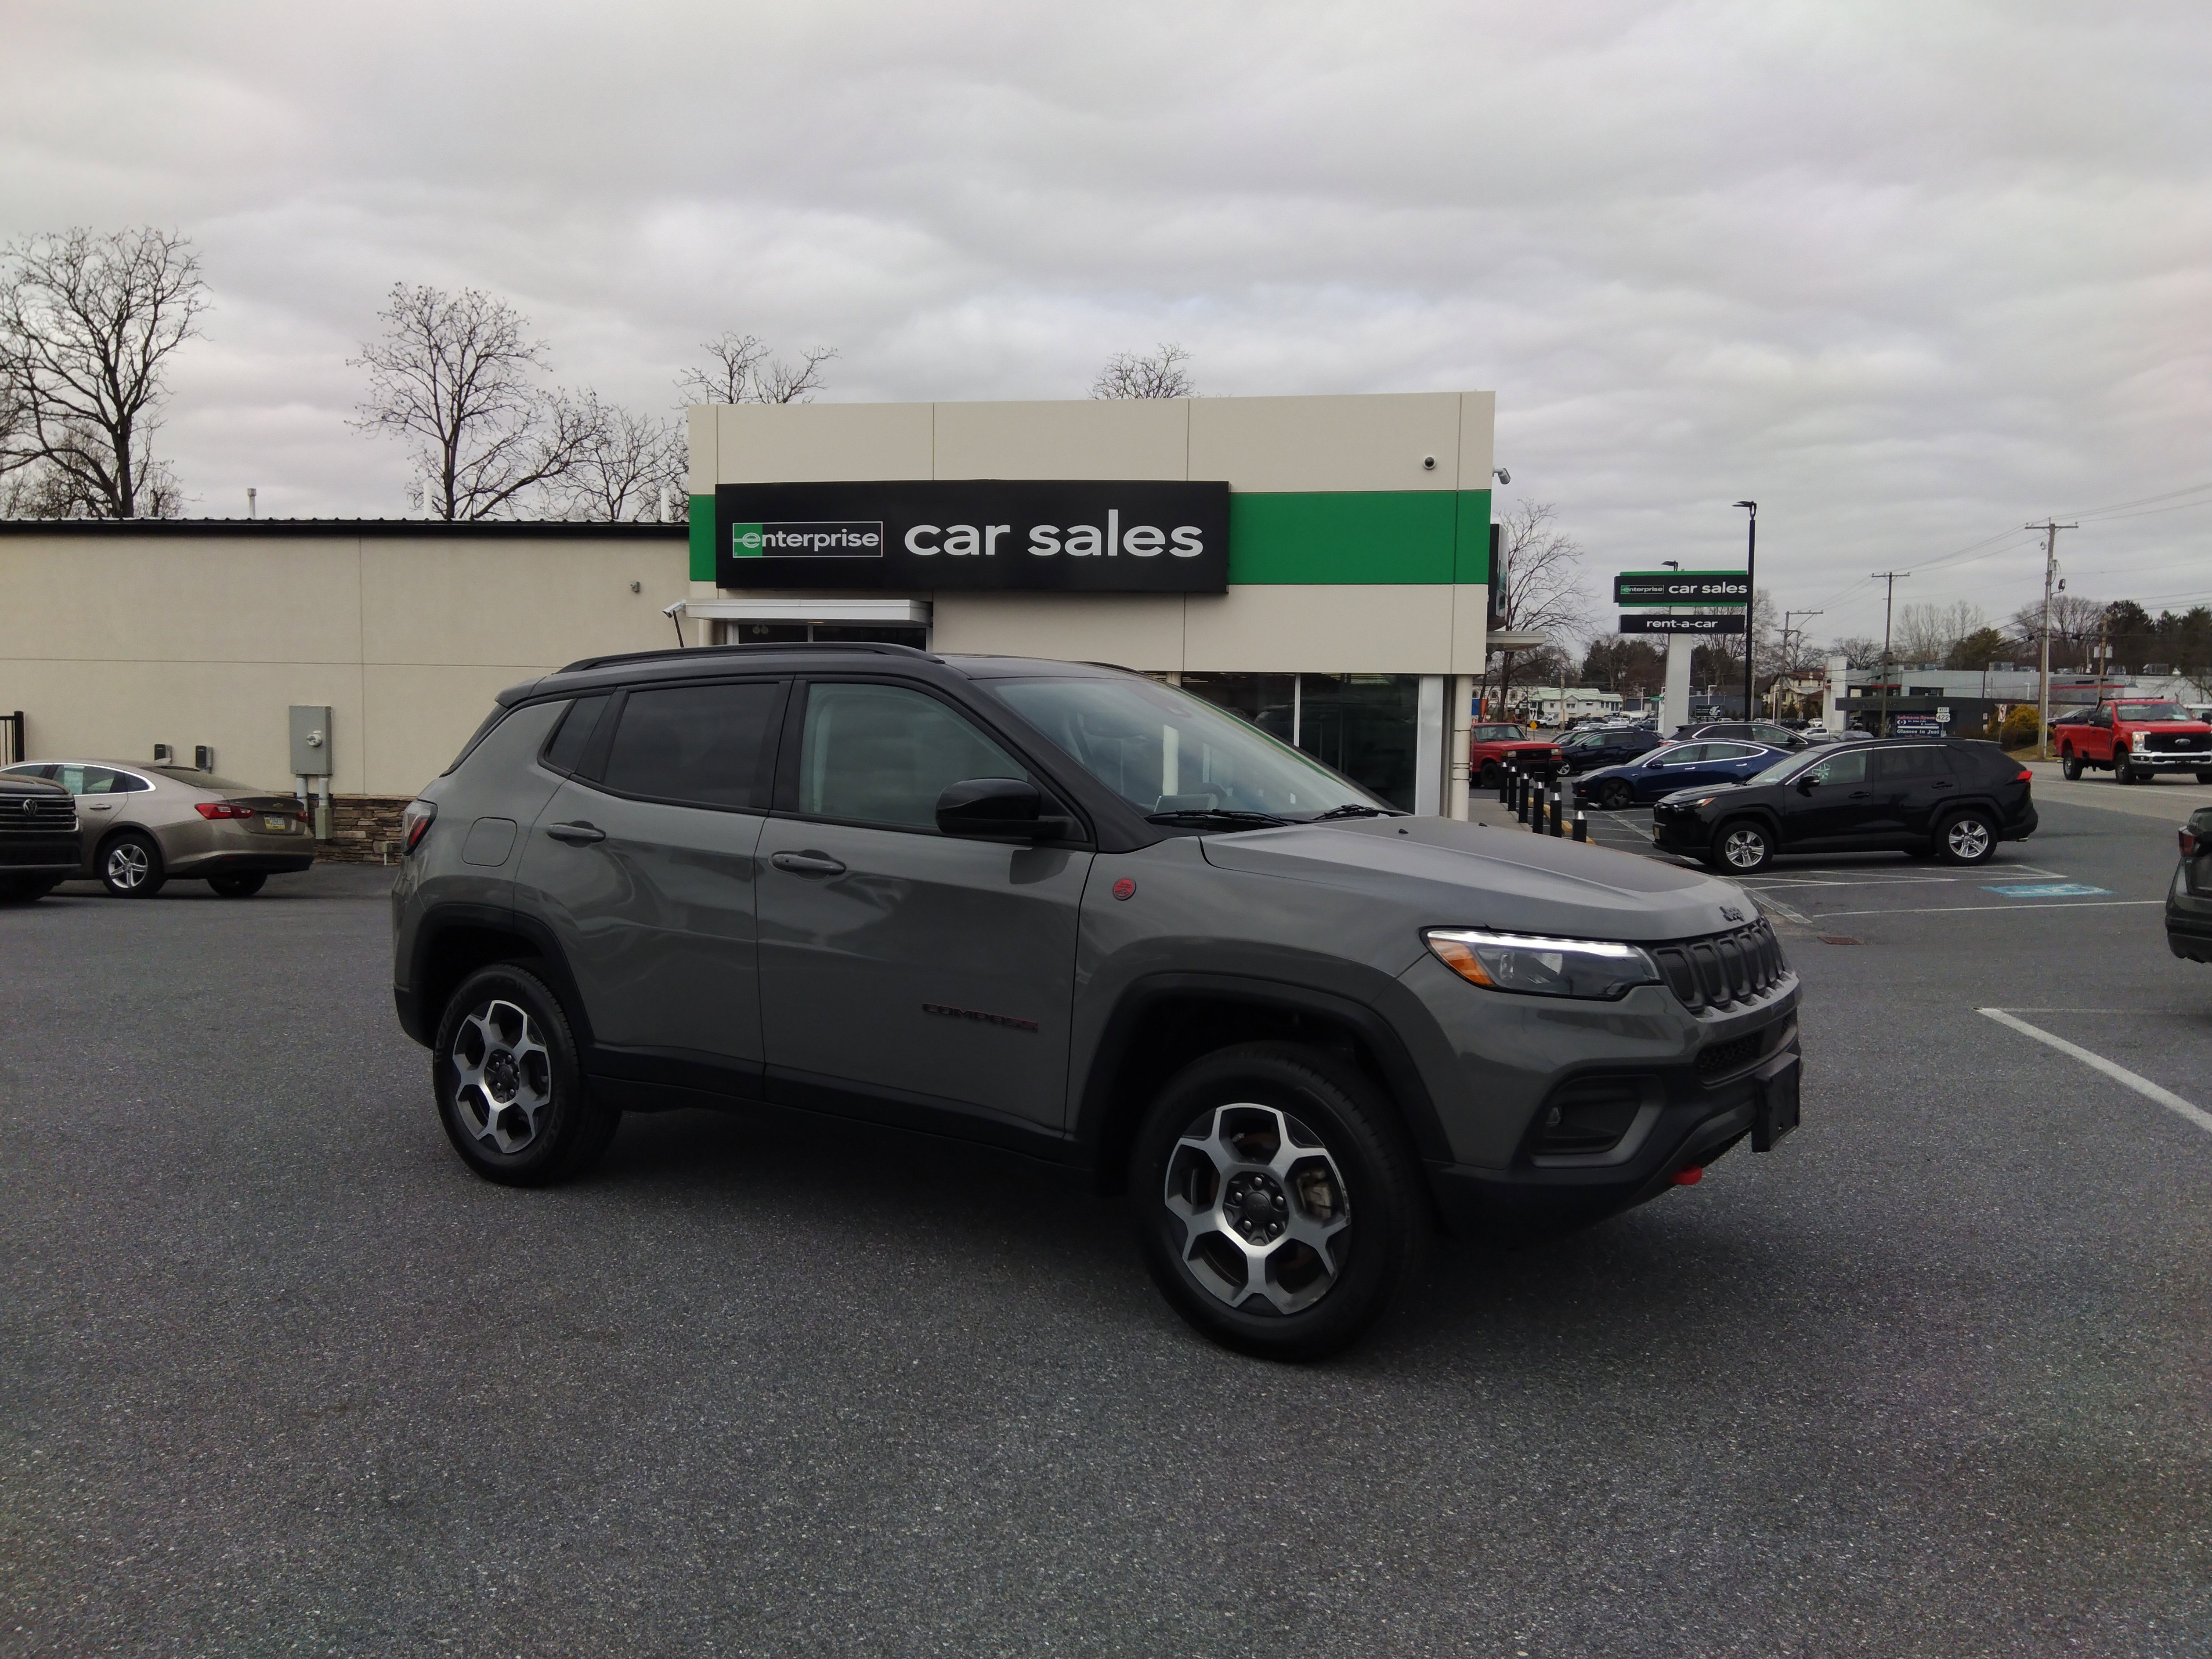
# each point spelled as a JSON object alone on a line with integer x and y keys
{"x": 1681, "y": 587}
{"x": 1081, "y": 535}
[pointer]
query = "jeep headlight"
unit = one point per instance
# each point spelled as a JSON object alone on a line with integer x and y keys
{"x": 1536, "y": 966}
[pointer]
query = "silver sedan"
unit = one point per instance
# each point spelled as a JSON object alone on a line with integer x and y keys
{"x": 143, "y": 825}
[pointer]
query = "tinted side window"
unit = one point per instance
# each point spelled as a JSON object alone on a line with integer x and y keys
{"x": 1682, "y": 754}
{"x": 1896, "y": 765}
{"x": 565, "y": 753}
{"x": 1841, "y": 768}
{"x": 881, "y": 754}
{"x": 709, "y": 745}
{"x": 1728, "y": 751}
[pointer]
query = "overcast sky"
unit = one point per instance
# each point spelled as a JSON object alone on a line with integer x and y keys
{"x": 1909, "y": 275}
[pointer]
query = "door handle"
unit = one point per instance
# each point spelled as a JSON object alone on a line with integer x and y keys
{"x": 576, "y": 834}
{"x": 807, "y": 864}
{"x": 100, "y": 806}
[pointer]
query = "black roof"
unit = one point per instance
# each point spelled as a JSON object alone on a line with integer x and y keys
{"x": 672, "y": 662}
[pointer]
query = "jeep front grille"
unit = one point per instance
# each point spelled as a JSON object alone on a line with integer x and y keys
{"x": 1725, "y": 970}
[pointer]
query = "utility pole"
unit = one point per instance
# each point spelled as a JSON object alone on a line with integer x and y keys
{"x": 1786, "y": 632}
{"x": 1750, "y": 600}
{"x": 1892, "y": 577}
{"x": 2050, "y": 529}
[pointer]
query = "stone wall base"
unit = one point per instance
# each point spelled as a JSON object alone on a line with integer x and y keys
{"x": 364, "y": 829}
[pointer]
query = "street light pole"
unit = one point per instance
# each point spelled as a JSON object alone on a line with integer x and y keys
{"x": 1750, "y": 599}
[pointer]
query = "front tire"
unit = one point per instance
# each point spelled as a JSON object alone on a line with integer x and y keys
{"x": 1742, "y": 848}
{"x": 1614, "y": 796}
{"x": 239, "y": 886}
{"x": 1278, "y": 1204}
{"x": 25, "y": 889}
{"x": 1967, "y": 838}
{"x": 509, "y": 1091}
{"x": 130, "y": 866}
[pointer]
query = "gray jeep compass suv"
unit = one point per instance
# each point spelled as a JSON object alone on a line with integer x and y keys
{"x": 1073, "y": 914}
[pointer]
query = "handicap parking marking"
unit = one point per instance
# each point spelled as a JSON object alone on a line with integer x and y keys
{"x": 2047, "y": 890}
{"x": 1994, "y": 909}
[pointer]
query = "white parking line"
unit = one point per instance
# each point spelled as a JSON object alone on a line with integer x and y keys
{"x": 1955, "y": 910}
{"x": 2141, "y": 1086}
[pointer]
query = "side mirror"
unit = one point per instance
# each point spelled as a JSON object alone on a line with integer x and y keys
{"x": 996, "y": 809}
{"x": 1807, "y": 786}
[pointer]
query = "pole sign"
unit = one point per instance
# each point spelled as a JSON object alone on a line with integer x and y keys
{"x": 1681, "y": 587}
{"x": 1646, "y": 622}
{"x": 1083, "y": 536}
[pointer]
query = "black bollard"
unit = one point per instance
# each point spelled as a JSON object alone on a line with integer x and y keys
{"x": 1504, "y": 785}
{"x": 1582, "y": 825}
{"x": 1559, "y": 811}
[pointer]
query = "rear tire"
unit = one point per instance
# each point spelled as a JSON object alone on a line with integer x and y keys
{"x": 509, "y": 1091}
{"x": 2069, "y": 765}
{"x": 1614, "y": 796}
{"x": 1968, "y": 837}
{"x": 130, "y": 866}
{"x": 1742, "y": 847}
{"x": 2204, "y": 777}
{"x": 238, "y": 886}
{"x": 1278, "y": 1204}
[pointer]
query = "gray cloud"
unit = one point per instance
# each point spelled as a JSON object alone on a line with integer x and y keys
{"x": 1909, "y": 275}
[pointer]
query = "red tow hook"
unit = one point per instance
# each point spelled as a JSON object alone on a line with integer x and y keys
{"x": 1691, "y": 1176}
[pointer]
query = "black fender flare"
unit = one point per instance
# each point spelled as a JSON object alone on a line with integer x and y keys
{"x": 1098, "y": 1115}
{"x": 551, "y": 965}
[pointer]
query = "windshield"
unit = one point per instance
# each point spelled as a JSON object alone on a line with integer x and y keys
{"x": 2151, "y": 711}
{"x": 1165, "y": 750}
{"x": 1499, "y": 734}
{"x": 200, "y": 779}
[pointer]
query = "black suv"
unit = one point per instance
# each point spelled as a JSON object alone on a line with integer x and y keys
{"x": 1948, "y": 797}
{"x": 38, "y": 846}
{"x": 1088, "y": 919}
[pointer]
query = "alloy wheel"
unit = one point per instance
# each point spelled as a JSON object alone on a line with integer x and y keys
{"x": 1744, "y": 849}
{"x": 503, "y": 1076}
{"x": 128, "y": 866}
{"x": 1615, "y": 797}
{"x": 1967, "y": 840}
{"x": 1262, "y": 1207}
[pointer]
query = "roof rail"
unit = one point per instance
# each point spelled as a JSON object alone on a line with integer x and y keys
{"x": 583, "y": 663}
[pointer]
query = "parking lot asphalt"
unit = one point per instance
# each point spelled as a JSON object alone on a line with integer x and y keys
{"x": 280, "y": 1377}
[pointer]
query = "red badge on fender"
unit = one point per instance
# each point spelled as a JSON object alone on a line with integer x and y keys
{"x": 1125, "y": 889}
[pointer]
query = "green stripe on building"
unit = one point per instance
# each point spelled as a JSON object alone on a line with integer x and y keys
{"x": 1340, "y": 536}
{"x": 702, "y": 538}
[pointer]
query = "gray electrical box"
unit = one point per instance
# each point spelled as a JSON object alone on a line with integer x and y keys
{"x": 311, "y": 741}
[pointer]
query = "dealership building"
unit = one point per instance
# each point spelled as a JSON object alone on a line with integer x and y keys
{"x": 1320, "y": 565}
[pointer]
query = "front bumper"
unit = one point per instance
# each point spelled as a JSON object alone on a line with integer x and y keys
{"x": 2171, "y": 760}
{"x": 59, "y": 855}
{"x": 1694, "y": 1124}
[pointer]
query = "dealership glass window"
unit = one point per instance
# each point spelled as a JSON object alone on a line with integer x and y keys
{"x": 1361, "y": 725}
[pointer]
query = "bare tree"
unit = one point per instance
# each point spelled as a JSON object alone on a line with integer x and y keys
{"x": 739, "y": 370}
{"x": 1162, "y": 374}
{"x": 87, "y": 325}
{"x": 2073, "y": 620}
{"x": 627, "y": 466}
{"x": 1537, "y": 588}
{"x": 455, "y": 378}
{"x": 1858, "y": 651}
{"x": 1930, "y": 633}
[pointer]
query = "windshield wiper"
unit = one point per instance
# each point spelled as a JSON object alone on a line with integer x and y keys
{"x": 1354, "y": 810}
{"x": 1218, "y": 815}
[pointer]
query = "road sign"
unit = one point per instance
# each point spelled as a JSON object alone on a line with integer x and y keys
{"x": 1648, "y": 623}
{"x": 1681, "y": 587}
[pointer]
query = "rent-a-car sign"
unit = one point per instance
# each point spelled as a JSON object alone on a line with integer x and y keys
{"x": 1081, "y": 535}
{"x": 1681, "y": 587}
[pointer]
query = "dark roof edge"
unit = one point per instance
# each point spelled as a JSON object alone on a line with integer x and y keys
{"x": 366, "y": 529}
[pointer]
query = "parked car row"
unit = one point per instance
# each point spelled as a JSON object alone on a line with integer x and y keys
{"x": 133, "y": 829}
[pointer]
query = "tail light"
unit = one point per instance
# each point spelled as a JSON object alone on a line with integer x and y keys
{"x": 222, "y": 809}
{"x": 415, "y": 822}
{"x": 2026, "y": 776}
{"x": 2190, "y": 846}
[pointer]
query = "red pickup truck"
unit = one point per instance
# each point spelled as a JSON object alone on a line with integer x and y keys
{"x": 1491, "y": 749}
{"x": 2135, "y": 738}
